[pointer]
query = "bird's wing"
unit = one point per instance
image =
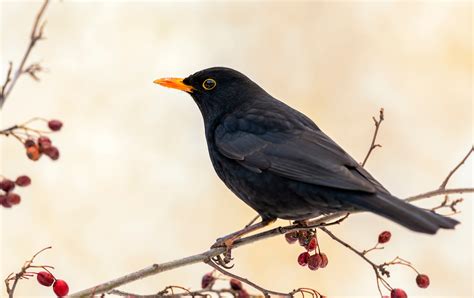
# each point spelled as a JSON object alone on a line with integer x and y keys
{"x": 306, "y": 155}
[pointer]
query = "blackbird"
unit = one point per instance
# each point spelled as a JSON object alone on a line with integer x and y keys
{"x": 280, "y": 163}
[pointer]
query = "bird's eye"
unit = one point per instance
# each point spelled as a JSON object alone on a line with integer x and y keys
{"x": 209, "y": 84}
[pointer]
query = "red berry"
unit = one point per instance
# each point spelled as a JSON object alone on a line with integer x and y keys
{"x": 324, "y": 260}
{"x": 235, "y": 284}
{"x": 242, "y": 294}
{"x": 45, "y": 278}
{"x": 384, "y": 237}
{"x": 422, "y": 280}
{"x": 314, "y": 262}
{"x": 55, "y": 125}
{"x": 52, "y": 152}
{"x": 312, "y": 244}
{"x": 4, "y": 202}
{"x": 60, "y": 288}
{"x": 291, "y": 237}
{"x": 207, "y": 281}
{"x": 303, "y": 238}
{"x": 23, "y": 181}
{"x": 44, "y": 142}
{"x": 33, "y": 152}
{"x": 29, "y": 143}
{"x": 398, "y": 293}
{"x": 303, "y": 258}
{"x": 7, "y": 185}
{"x": 13, "y": 199}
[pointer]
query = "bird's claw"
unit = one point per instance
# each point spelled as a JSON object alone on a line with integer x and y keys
{"x": 223, "y": 262}
{"x": 226, "y": 242}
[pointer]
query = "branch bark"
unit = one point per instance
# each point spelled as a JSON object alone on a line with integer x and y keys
{"x": 36, "y": 34}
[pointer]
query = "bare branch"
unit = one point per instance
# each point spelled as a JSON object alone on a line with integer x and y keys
{"x": 264, "y": 291}
{"x": 445, "y": 182}
{"x": 379, "y": 271}
{"x": 202, "y": 257}
{"x": 36, "y": 34}
{"x": 23, "y": 273}
{"x": 373, "y": 145}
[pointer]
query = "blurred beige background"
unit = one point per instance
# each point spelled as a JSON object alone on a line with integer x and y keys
{"x": 134, "y": 184}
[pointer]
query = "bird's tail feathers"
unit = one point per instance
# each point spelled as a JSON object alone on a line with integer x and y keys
{"x": 406, "y": 214}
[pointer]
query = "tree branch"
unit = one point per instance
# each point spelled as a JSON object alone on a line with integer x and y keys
{"x": 36, "y": 34}
{"x": 202, "y": 257}
{"x": 373, "y": 145}
{"x": 445, "y": 182}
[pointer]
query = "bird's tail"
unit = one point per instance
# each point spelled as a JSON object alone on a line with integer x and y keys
{"x": 406, "y": 214}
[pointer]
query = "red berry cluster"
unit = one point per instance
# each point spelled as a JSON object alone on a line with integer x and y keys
{"x": 42, "y": 145}
{"x": 7, "y": 197}
{"x": 308, "y": 239}
{"x": 60, "y": 287}
{"x": 422, "y": 280}
{"x": 208, "y": 281}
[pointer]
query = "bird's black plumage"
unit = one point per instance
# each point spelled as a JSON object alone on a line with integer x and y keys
{"x": 281, "y": 164}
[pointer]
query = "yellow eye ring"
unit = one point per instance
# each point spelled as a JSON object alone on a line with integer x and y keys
{"x": 209, "y": 84}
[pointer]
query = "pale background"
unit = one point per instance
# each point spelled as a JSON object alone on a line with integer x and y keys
{"x": 134, "y": 184}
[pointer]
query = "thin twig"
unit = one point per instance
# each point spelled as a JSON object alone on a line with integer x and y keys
{"x": 36, "y": 34}
{"x": 373, "y": 145}
{"x": 445, "y": 182}
{"x": 378, "y": 270}
{"x": 264, "y": 291}
{"x": 23, "y": 273}
{"x": 186, "y": 293}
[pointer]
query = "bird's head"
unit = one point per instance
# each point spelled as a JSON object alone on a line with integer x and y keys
{"x": 216, "y": 90}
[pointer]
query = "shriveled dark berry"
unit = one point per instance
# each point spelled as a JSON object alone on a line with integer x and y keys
{"x": 235, "y": 284}
{"x": 243, "y": 294}
{"x": 207, "y": 280}
{"x": 45, "y": 278}
{"x": 303, "y": 238}
{"x": 7, "y": 185}
{"x": 44, "y": 142}
{"x": 52, "y": 152}
{"x": 29, "y": 143}
{"x": 4, "y": 202}
{"x": 291, "y": 237}
{"x": 55, "y": 125}
{"x": 23, "y": 181}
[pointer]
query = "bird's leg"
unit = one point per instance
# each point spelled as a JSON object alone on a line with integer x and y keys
{"x": 228, "y": 240}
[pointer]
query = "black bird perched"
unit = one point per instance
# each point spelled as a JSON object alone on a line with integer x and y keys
{"x": 280, "y": 163}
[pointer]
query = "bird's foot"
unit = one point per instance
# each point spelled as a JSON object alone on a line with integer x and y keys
{"x": 226, "y": 242}
{"x": 224, "y": 259}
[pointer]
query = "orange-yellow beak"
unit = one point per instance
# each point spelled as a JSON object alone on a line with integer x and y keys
{"x": 175, "y": 83}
